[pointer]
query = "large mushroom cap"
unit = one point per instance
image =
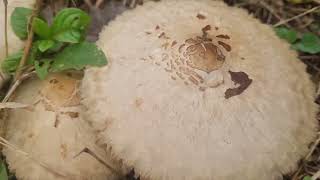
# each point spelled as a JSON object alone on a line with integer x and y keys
{"x": 200, "y": 90}
{"x": 52, "y": 134}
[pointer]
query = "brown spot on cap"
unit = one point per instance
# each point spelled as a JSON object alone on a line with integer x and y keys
{"x": 206, "y": 28}
{"x": 227, "y": 47}
{"x": 205, "y": 57}
{"x": 223, "y": 36}
{"x": 61, "y": 90}
{"x": 138, "y": 102}
{"x": 201, "y": 16}
{"x": 240, "y": 78}
{"x": 174, "y": 43}
{"x": 72, "y": 114}
{"x": 30, "y": 135}
{"x": 162, "y": 35}
{"x": 157, "y": 27}
{"x": 63, "y": 150}
{"x": 53, "y": 81}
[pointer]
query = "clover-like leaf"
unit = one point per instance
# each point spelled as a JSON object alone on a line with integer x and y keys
{"x": 78, "y": 56}
{"x": 70, "y": 36}
{"x": 41, "y": 28}
{"x": 44, "y": 45}
{"x": 70, "y": 25}
{"x": 307, "y": 178}
{"x": 287, "y": 34}
{"x": 42, "y": 70}
{"x": 19, "y": 21}
{"x": 10, "y": 64}
{"x": 3, "y": 172}
{"x": 309, "y": 43}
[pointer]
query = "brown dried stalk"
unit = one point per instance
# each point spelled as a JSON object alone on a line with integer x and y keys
{"x": 28, "y": 45}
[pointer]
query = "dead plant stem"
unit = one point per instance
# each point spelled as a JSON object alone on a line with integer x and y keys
{"x": 296, "y": 17}
{"x": 28, "y": 44}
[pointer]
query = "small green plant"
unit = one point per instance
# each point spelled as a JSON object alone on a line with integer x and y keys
{"x": 3, "y": 171}
{"x": 57, "y": 47}
{"x": 307, "y": 178}
{"x": 306, "y": 42}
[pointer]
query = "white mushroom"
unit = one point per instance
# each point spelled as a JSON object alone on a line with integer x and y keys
{"x": 200, "y": 90}
{"x": 53, "y": 135}
{"x": 14, "y": 43}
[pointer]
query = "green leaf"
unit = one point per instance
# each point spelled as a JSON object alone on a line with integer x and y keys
{"x": 44, "y": 45}
{"x": 310, "y": 43}
{"x": 307, "y": 178}
{"x": 56, "y": 47}
{"x": 70, "y": 25}
{"x": 43, "y": 70}
{"x": 78, "y": 56}
{"x": 41, "y": 28}
{"x": 288, "y": 34}
{"x": 70, "y": 36}
{"x": 10, "y": 64}
{"x": 3, "y": 172}
{"x": 299, "y": 1}
{"x": 19, "y": 21}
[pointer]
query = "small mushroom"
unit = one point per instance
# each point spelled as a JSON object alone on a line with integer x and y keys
{"x": 58, "y": 143}
{"x": 200, "y": 90}
{"x": 14, "y": 43}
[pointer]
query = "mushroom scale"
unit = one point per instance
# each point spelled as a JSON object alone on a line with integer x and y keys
{"x": 53, "y": 134}
{"x": 200, "y": 90}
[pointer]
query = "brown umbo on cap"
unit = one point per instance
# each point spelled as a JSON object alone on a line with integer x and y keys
{"x": 200, "y": 90}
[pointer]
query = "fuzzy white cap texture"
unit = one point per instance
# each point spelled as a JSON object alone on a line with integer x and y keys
{"x": 200, "y": 90}
{"x": 52, "y": 134}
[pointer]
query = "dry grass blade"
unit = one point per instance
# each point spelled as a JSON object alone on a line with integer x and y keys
{"x": 12, "y": 147}
{"x": 296, "y": 17}
{"x": 14, "y": 105}
{"x": 88, "y": 151}
{"x": 16, "y": 84}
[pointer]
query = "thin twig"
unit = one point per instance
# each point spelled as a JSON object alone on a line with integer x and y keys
{"x": 296, "y": 17}
{"x": 317, "y": 1}
{"x": 272, "y": 11}
{"x": 12, "y": 147}
{"x": 313, "y": 148}
{"x": 88, "y": 151}
{"x": 16, "y": 84}
{"x": 29, "y": 41}
{"x": 316, "y": 175}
